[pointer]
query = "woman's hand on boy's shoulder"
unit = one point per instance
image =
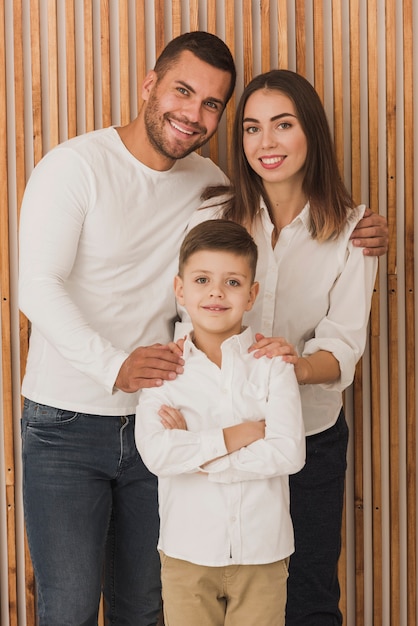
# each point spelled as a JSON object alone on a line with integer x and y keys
{"x": 273, "y": 346}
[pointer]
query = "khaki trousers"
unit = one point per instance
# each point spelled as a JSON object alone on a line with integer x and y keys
{"x": 234, "y": 595}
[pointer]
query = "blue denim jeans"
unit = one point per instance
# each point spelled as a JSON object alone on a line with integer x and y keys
{"x": 316, "y": 504}
{"x": 91, "y": 510}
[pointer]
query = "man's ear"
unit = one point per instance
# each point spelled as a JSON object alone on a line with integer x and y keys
{"x": 148, "y": 83}
{"x": 255, "y": 287}
{"x": 178, "y": 289}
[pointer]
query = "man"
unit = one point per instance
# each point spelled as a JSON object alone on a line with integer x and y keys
{"x": 101, "y": 225}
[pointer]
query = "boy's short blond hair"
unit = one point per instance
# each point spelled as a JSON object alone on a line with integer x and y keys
{"x": 222, "y": 235}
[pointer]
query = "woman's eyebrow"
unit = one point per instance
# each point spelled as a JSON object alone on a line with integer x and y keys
{"x": 272, "y": 119}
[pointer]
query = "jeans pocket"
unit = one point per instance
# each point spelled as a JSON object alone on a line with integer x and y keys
{"x": 39, "y": 415}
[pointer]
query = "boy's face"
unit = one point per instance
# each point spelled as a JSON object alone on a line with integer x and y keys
{"x": 216, "y": 289}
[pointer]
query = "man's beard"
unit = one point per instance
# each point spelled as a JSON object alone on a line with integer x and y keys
{"x": 155, "y": 124}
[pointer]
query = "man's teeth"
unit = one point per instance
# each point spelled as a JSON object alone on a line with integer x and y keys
{"x": 182, "y": 130}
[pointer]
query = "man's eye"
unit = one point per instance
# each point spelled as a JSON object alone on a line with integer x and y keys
{"x": 182, "y": 90}
{"x": 212, "y": 105}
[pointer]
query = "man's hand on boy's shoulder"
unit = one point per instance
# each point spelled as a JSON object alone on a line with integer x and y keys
{"x": 148, "y": 366}
{"x": 371, "y": 234}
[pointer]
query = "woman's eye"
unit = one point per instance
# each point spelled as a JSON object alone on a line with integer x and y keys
{"x": 284, "y": 125}
{"x": 251, "y": 130}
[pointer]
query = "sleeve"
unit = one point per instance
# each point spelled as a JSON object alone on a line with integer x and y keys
{"x": 282, "y": 451}
{"x": 57, "y": 197}
{"x": 344, "y": 329}
{"x": 171, "y": 452}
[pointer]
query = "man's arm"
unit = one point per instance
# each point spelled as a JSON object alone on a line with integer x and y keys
{"x": 372, "y": 234}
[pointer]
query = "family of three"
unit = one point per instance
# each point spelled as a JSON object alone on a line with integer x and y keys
{"x": 103, "y": 218}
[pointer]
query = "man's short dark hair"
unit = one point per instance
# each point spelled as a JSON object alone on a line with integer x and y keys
{"x": 221, "y": 235}
{"x": 206, "y": 47}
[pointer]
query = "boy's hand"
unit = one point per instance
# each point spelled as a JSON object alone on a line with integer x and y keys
{"x": 273, "y": 346}
{"x": 372, "y": 234}
{"x": 148, "y": 366}
{"x": 172, "y": 418}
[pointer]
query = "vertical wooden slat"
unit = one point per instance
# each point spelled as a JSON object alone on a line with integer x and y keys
{"x": 105, "y": 64}
{"x": 194, "y": 15}
{"x": 300, "y": 37}
{"x": 211, "y": 27}
{"x": 6, "y": 353}
{"x": 230, "y": 110}
{"x": 394, "y": 475}
{"x": 283, "y": 34}
{"x": 358, "y": 417}
{"x": 339, "y": 122}
{"x": 410, "y": 369}
{"x": 175, "y": 18}
{"x": 247, "y": 43}
{"x": 141, "y": 66}
{"x": 19, "y": 92}
{"x": 70, "y": 69}
{"x": 159, "y": 26}
{"x": 318, "y": 30}
{"x": 35, "y": 56}
{"x": 35, "y": 39}
{"x": 88, "y": 66}
{"x": 53, "y": 74}
{"x": 337, "y": 77}
{"x": 125, "y": 109}
{"x": 265, "y": 35}
{"x": 373, "y": 157}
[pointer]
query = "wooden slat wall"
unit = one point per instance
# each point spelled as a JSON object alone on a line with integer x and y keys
{"x": 67, "y": 67}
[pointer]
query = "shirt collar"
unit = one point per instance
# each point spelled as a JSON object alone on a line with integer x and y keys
{"x": 240, "y": 343}
{"x": 304, "y": 215}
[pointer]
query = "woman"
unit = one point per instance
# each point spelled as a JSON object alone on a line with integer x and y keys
{"x": 313, "y": 306}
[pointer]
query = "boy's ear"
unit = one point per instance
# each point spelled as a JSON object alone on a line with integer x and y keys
{"x": 178, "y": 289}
{"x": 254, "y": 289}
{"x": 148, "y": 83}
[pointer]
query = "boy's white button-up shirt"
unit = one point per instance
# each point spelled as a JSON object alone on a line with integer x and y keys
{"x": 234, "y": 509}
{"x": 315, "y": 294}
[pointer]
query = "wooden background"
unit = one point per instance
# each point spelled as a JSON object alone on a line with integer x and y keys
{"x": 70, "y": 66}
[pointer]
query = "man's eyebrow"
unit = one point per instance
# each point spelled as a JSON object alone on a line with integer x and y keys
{"x": 272, "y": 119}
{"x": 190, "y": 88}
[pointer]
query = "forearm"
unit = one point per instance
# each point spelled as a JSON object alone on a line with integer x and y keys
{"x": 320, "y": 367}
{"x": 242, "y": 435}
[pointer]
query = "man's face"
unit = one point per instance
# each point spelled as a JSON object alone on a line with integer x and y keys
{"x": 183, "y": 109}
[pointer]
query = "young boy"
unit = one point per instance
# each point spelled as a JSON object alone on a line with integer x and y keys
{"x": 222, "y": 438}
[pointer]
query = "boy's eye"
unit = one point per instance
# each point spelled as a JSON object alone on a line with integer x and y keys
{"x": 201, "y": 280}
{"x": 233, "y": 283}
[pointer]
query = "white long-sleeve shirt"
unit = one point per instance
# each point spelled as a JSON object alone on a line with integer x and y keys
{"x": 216, "y": 515}
{"x": 316, "y": 295}
{"x": 99, "y": 239}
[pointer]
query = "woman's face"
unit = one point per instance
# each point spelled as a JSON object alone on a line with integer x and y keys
{"x": 273, "y": 140}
